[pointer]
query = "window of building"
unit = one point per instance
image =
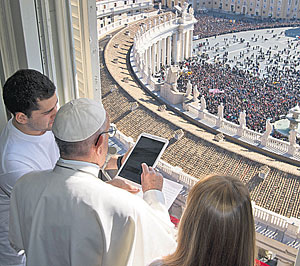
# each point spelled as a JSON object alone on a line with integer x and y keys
{"x": 226, "y": 4}
{"x": 215, "y": 3}
{"x": 115, "y": 4}
{"x": 125, "y": 2}
{"x": 250, "y": 9}
{"x": 209, "y": 3}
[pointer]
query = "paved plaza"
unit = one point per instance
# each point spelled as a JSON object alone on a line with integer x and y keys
{"x": 256, "y": 51}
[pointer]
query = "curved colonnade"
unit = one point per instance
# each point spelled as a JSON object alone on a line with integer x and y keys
{"x": 163, "y": 41}
{"x": 121, "y": 93}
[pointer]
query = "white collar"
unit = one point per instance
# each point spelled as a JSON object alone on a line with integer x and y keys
{"x": 81, "y": 166}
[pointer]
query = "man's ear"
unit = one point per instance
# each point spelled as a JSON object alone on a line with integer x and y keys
{"x": 21, "y": 118}
{"x": 99, "y": 145}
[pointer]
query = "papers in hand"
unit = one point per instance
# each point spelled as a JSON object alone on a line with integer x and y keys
{"x": 170, "y": 190}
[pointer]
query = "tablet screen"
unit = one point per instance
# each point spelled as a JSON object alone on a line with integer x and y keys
{"x": 146, "y": 151}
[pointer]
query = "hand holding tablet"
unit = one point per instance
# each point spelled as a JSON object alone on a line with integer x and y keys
{"x": 151, "y": 179}
{"x": 139, "y": 165}
{"x": 148, "y": 149}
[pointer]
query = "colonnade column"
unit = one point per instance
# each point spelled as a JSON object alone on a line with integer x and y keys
{"x": 190, "y": 48}
{"x": 158, "y": 56}
{"x": 148, "y": 54}
{"x": 184, "y": 46}
{"x": 168, "y": 50}
{"x": 163, "y": 50}
{"x": 187, "y": 43}
{"x": 179, "y": 49}
{"x": 153, "y": 58}
{"x": 146, "y": 62}
{"x": 174, "y": 48}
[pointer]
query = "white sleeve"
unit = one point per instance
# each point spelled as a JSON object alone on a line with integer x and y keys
{"x": 156, "y": 200}
{"x": 13, "y": 171}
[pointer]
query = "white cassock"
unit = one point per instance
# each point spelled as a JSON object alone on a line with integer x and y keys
{"x": 67, "y": 216}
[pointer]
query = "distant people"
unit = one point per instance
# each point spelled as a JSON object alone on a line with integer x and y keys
{"x": 26, "y": 143}
{"x": 67, "y": 216}
{"x": 267, "y": 97}
{"x": 210, "y": 25}
{"x": 217, "y": 226}
{"x": 239, "y": 90}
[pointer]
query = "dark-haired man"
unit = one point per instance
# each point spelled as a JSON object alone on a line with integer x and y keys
{"x": 26, "y": 143}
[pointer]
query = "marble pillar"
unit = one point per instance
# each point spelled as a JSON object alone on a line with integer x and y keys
{"x": 174, "y": 48}
{"x": 169, "y": 51}
{"x": 148, "y": 52}
{"x": 190, "y": 48}
{"x": 179, "y": 49}
{"x": 184, "y": 46}
{"x": 158, "y": 56}
{"x": 153, "y": 58}
{"x": 163, "y": 51}
{"x": 146, "y": 62}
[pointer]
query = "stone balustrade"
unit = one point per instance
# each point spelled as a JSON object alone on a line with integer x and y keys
{"x": 122, "y": 22}
{"x": 290, "y": 226}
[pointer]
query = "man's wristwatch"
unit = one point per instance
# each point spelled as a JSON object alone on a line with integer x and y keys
{"x": 119, "y": 161}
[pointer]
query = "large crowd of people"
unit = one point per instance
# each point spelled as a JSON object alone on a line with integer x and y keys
{"x": 239, "y": 90}
{"x": 267, "y": 97}
{"x": 208, "y": 25}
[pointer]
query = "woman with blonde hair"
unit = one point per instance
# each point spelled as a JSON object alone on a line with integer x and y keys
{"x": 217, "y": 227}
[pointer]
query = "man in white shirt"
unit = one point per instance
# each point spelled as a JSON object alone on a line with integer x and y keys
{"x": 67, "y": 216}
{"x": 26, "y": 143}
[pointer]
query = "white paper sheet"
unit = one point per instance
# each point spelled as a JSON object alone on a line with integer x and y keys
{"x": 170, "y": 190}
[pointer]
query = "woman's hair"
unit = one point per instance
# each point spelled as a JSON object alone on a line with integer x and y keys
{"x": 217, "y": 227}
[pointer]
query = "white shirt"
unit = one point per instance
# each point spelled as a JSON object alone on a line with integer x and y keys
{"x": 19, "y": 154}
{"x": 70, "y": 217}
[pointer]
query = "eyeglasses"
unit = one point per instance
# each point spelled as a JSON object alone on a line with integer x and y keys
{"x": 111, "y": 132}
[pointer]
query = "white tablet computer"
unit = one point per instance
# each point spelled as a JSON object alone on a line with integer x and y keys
{"x": 148, "y": 149}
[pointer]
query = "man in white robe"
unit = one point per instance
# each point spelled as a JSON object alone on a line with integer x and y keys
{"x": 67, "y": 216}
